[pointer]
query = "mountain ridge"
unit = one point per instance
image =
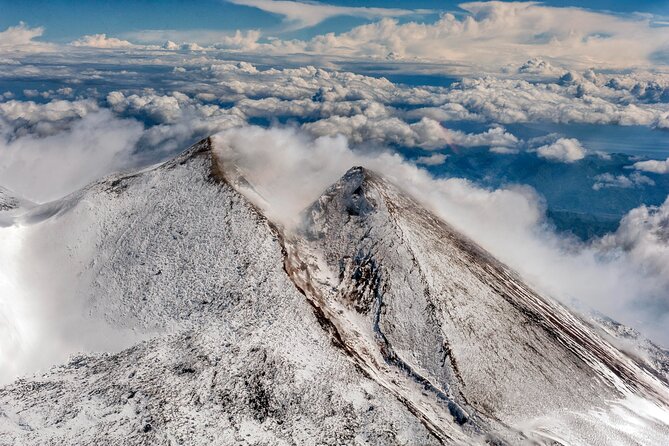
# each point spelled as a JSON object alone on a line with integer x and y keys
{"x": 372, "y": 307}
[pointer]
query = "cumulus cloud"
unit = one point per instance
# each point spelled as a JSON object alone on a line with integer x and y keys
{"x": 539, "y": 66}
{"x": 426, "y": 133}
{"x": 311, "y": 92}
{"x": 642, "y": 239}
{"x": 102, "y": 41}
{"x": 536, "y": 39}
{"x": 654, "y": 166}
{"x": 366, "y": 110}
{"x": 21, "y": 38}
{"x": 481, "y": 37}
{"x": 169, "y": 45}
{"x": 175, "y": 119}
{"x": 495, "y": 33}
{"x": 607, "y": 180}
{"x": 511, "y": 100}
{"x": 566, "y": 150}
{"x": 203, "y": 38}
{"x": 576, "y": 99}
{"x": 20, "y": 118}
{"x": 643, "y": 234}
{"x": 298, "y": 15}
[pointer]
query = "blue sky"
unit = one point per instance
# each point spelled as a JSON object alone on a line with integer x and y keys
{"x": 65, "y": 20}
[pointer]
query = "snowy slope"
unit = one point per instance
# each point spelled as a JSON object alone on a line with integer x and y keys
{"x": 372, "y": 323}
{"x": 424, "y": 307}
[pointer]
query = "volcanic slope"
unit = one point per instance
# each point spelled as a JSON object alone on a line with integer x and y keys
{"x": 427, "y": 311}
{"x": 374, "y": 322}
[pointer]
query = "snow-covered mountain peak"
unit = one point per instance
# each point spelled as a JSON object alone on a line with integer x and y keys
{"x": 407, "y": 291}
{"x": 350, "y": 196}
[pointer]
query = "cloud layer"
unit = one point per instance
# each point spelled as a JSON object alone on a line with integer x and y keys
{"x": 497, "y": 33}
{"x": 488, "y": 37}
{"x": 366, "y": 110}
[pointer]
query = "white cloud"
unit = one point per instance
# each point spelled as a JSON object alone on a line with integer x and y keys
{"x": 566, "y": 150}
{"x": 579, "y": 100}
{"x": 527, "y": 38}
{"x": 607, "y": 180}
{"x": 501, "y": 150}
{"x": 654, "y": 166}
{"x": 536, "y": 39}
{"x": 167, "y": 38}
{"x": 102, "y": 41}
{"x": 365, "y": 109}
{"x": 496, "y": 136}
{"x": 495, "y": 34}
{"x": 539, "y": 66}
{"x": 386, "y": 129}
{"x": 178, "y": 119}
{"x": 298, "y": 15}
{"x": 431, "y": 160}
{"x": 644, "y": 235}
{"x": 19, "y": 118}
{"x": 587, "y": 98}
{"x": 46, "y": 168}
{"x": 21, "y": 38}
{"x": 169, "y": 45}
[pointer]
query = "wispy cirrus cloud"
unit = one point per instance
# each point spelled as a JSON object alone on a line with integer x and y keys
{"x": 297, "y": 15}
